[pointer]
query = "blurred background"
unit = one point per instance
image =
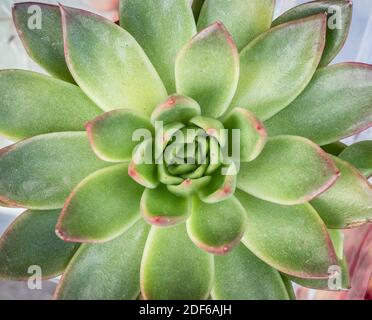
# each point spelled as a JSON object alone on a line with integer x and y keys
{"x": 12, "y": 55}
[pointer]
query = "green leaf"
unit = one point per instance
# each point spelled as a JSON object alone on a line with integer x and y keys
{"x": 162, "y": 208}
{"x": 30, "y": 240}
{"x": 278, "y": 65}
{"x": 189, "y": 186}
{"x": 253, "y": 134}
{"x": 334, "y": 148}
{"x": 43, "y": 44}
{"x": 101, "y": 207}
{"x": 40, "y": 172}
{"x": 177, "y": 108}
{"x": 165, "y": 177}
{"x": 141, "y": 171}
{"x": 116, "y": 73}
{"x": 291, "y": 239}
{"x": 211, "y": 126}
{"x": 33, "y": 104}
{"x": 111, "y": 134}
{"x": 360, "y": 156}
{"x": 240, "y": 275}
{"x": 220, "y": 188}
{"x": 338, "y": 24}
{"x": 161, "y": 27}
{"x": 217, "y": 228}
{"x": 196, "y": 6}
{"x": 207, "y": 69}
{"x": 244, "y": 19}
{"x": 348, "y": 203}
{"x": 106, "y": 271}
{"x": 324, "y": 284}
{"x": 340, "y": 95}
{"x": 173, "y": 268}
{"x": 290, "y": 170}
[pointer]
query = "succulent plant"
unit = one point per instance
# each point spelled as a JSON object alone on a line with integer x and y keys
{"x": 190, "y": 153}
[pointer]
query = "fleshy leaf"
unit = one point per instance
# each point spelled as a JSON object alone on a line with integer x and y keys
{"x": 40, "y": 172}
{"x": 290, "y": 170}
{"x": 166, "y": 178}
{"x": 30, "y": 240}
{"x": 340, "y": 95}
{"x": 207, "y": 69}
{"x": 252, "y": 133}
{"x": 44, "y": 42}
{"x": 291, "y": 239}
{"x": 161, "y": 27}
{"x": 33, "y": 104}
{"x": 177, "y": 108}
{"x": 162, "y": 208}
{"x": 334, "y": 148}
{"x": 106, "y": 271}
{"x": 244, "y": 19}
{"x": 116, "y": 74}
{"x": 111, "y": 134}
{"x": 211, "y": 126}
{"x": 220, "y": 188}
{"x": 196, "y": 6}
{"x": 173, "y": 268}
{"x": 278, "y": 65}
{"x": 327, "y": 284}
{"x": 240, "y": 275}
{"x": 101, "y": 207}
{"x": 360, "y": 156}
{"x": 189, "y": 186}
{"x": 217, "y": 228}
{"x": 348, "y": 203}
{"x": 144, "y": 173}
{"x": 339, "y": 20}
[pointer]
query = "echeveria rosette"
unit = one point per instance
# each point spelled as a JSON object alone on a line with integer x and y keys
{"x": 170, "y": 230}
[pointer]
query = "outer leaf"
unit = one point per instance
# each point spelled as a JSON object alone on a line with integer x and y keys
{"x": 161, "y": 27}
{"x": 44, "y": 43}
{"x": 340, "y": 95}
{"x": 348, "y": 203}
{"x": 115, "y": 274}
{"x": 216, "y": 228}
{"x": 31, "y": 240}
{"x": 111, "y": 134}
{"x": 177, "y": 108}
{"x": 173, "y": 268}
{"x": 240, "y": 275}
{"x": 278, "y": 65}
{"x": 33, "y": 104}
{"x": 40, "y": 172}
{"x": 207, "y": 69}
{"x": 359, "y": 155}
{"x": 116, "y": 73}
{"x": 292, "y": 239}
{"x": 101, "y": 207}
{"x": 339, "y": 20}
{"x": 253, "y": 134}
{"x": 161, "y": 207}
{"x": 323, "y": 284}
{"x": 245, "y": 19}
{"x": 290, "y": 170}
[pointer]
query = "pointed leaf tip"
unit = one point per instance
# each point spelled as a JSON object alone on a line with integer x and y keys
{"x": 210, "y": 58}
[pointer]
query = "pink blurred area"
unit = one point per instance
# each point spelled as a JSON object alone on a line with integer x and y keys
{"x": 358, "y": 250}
{"x": 109, "y": 7}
